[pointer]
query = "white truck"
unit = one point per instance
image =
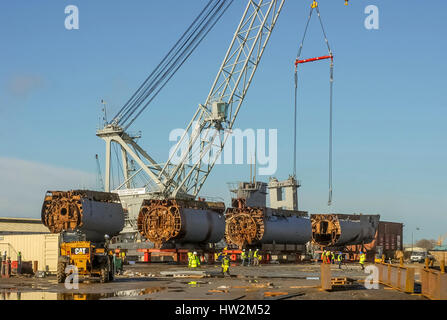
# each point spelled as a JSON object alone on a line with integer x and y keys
{"x": 418, "y": 256}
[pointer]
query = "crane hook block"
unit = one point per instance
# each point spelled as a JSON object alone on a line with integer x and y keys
{"x": 314, "y": 4}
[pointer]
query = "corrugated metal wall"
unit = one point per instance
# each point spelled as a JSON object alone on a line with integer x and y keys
{"x": 33, "y": 295}
{"x": 43, "y": 248}
{"x": 390, "y": 236}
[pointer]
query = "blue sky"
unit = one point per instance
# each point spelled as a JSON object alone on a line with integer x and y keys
{"x": 390, "y": 115}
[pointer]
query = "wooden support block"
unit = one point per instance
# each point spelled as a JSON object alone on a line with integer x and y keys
{"x": 325, "y": 276}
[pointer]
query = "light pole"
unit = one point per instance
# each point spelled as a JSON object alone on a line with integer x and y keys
{"x": 412, "y": 240}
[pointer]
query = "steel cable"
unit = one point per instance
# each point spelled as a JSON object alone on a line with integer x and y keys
{"x": 162, "y": 73}
{"x": 171, "y": 63}
{"x": 296, "y": 92}
{"x": 126, "y": 105}
{"x": 169, "y": 73}
{"x": 331, "y": 80}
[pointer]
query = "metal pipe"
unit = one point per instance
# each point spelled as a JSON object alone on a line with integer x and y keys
{"x": 286, "y": 230}
{"x": 181, "y": 221}
{"x": 331, "y": 230}
{"x": 93, "y": 213}
{"x": 247, "y": 226}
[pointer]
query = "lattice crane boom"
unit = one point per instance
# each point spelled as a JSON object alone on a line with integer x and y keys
{"x": 213, "y": 121}
{"x": 205, "y": 136}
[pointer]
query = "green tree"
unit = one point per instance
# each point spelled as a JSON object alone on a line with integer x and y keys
{"x": 426, "y": 244}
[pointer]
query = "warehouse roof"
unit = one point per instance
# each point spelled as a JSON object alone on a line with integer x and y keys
{"x": 439, "y": 248}
{"x": 21, "y": 226}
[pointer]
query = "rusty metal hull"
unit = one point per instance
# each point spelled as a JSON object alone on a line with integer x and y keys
{"x": 249, "y": 226}
{"x": 93, "y": 213}
{"x": 334, "y": 230}
{"x": 181, "y": 221}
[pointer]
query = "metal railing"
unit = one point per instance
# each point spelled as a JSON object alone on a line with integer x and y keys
{"x": 396, "y": 276}
{"x": 434, "y": 282}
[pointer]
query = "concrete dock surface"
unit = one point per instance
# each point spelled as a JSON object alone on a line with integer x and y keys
{"x": 177, "y": 282}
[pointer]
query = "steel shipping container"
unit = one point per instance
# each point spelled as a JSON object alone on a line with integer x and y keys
{"x": 43, "y": 248}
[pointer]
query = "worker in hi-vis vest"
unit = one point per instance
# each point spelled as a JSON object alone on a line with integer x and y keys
{"x": 339, "y": 259}
{"x": 362, "y": 260}
{"x": 256, "y": 258}
{"x": 225, "y": 265}
{"x": 195, "y": 262}
{"x": 328, "y": 257}
{"x": 243, "y": 257}
{"x": 190, "y": 259}
{"x": 323, "y": 257}
{"x": 197, "y": 258}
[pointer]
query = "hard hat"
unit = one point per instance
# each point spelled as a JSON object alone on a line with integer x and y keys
{"x": 250, "y": 250}
{"x": 195, "y": 252}
{"x": 243, "y": 249}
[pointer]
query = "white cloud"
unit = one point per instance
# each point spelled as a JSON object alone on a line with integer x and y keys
{"x": 23, "y": 185}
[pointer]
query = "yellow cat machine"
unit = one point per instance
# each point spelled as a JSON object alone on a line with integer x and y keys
{"x": 91, "y": 260}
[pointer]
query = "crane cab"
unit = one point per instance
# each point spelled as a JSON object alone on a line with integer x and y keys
{"x": 219, "y": 111}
